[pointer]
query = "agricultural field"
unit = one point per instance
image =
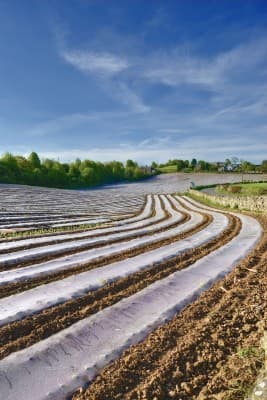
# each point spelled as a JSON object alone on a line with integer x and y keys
{"x": 168, "y": 169}
{"x": 243, "y": 189}
{"x": 129, "y": 291}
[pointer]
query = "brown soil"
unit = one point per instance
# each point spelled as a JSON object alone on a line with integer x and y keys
{"x": 25, "y": 332}
{"x": 209, "y": 351}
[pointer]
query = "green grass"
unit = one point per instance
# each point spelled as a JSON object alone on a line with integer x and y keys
{"x": 246, "y": 189}
{"x": 248, "y": 352}
{"x": 200, "y": 187}
{"x": 168, "y": 169}
{"x": 212, "y": 203}
{"x": 206, "y": 202}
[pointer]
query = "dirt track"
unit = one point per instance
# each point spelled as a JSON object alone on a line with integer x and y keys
{"x": 210, "y": 351}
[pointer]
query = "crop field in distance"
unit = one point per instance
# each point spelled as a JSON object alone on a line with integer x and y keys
{"x": 130, "y": 291}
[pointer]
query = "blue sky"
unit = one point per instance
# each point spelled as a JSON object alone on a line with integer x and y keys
{"x": 148, "y": 80}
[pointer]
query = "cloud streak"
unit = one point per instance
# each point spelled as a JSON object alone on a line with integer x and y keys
{"x": 174, "y": 68}
{"x": 99, "y": 63}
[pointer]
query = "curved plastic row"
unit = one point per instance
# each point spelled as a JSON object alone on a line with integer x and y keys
{"x": 84, "y": 257}
{"x": 79, "y": 244}
{"x": 38, "y": 217}
{"x": 19, "y": 199}
{"x": 130, "y": 223}
{"x": 19, "y": 305}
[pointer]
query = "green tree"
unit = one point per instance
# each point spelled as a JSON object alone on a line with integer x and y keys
{"x": 13, "y": 172}
{"x": 247, "y": 166}
{"x": 186, "y": 163}
{"x": 193, "y": 162}
{"x": 131, "y": 164}
{"x": 18, "y": 169}
{"x": 88, "y": 175}
{"x": 74, "y": 171}
{"x": 180, "y": 165}
{"x": 235, "y": 160}
{"x": 34, "y": 160}
{"x": 264, "y": 166}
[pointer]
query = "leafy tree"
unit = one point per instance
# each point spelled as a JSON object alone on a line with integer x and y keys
{"x": 193, "y": 162}
{"x": 247, "y": 166}
{"x": 264, "y": 166}
{"x": 10, "y": 160}
{"x": 186, "y": 163}
{"x": 201, "y": 165}
{"x": 235, "y": 160}
{"x": 74, "y": 171}
{"x": 180, "y": 165}
{"x": 131, "y": 164}
{"x": 34, "y": 160}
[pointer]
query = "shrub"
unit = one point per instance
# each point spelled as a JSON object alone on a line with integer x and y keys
{"x": 234, "y": 189}
{"x": 262, "y": 191}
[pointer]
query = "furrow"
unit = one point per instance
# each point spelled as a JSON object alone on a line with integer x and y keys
{"x": 149, "y": 216}
{"x": 70, "y": 267}
{"x": 146, "y": 212}
{"x": 88, "y": 345}
{"x": 31, "y": 329}
{"x": 24, "y": 257}
{"x": 186, "y": 356}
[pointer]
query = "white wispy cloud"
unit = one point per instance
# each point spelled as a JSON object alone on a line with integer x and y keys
{"x": 106, "y": 67}
{"x": 129, "y": 98}
{"x": 100, "y": 63}
{"x": 227, "y": 75}
{"x": 174, "y": 68}
{"x": 174, "y": 71}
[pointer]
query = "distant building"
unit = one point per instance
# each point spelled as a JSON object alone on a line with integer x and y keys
{"x": 223, "y": 167}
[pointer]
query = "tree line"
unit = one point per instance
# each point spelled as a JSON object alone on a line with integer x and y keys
{"x": 51, "y": 173}
{"x": 229, "y": 165}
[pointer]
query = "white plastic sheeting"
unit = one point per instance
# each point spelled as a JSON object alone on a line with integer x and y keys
{"x": 73, "y": 260}
{"x": 118, "y": 226}
{"x": 57, "y": 249}
{"x": 145, "y": 213}
{"x": 17, "y": 306}
{"x": 22, "y": 200}
{"x": 54, "y": 367}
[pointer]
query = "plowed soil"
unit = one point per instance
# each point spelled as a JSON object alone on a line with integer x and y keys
{"x": 209, "y": 351}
